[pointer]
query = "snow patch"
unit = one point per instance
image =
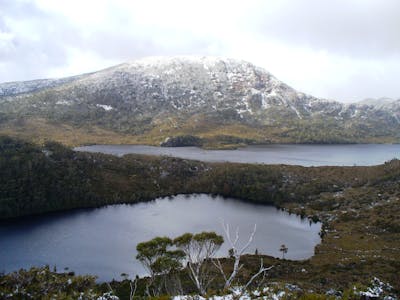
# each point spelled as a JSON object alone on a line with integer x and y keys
{"x": 354, "y": 113}
{"x": 264, "y": 103}
{"x": 272, "y": 94}
{"x": 63, "y": 102}
{"x": 105, "y": 107}
{"x": 236, "y": 294}
{"x": 296, "y": 111}
{"x": 377, "y": 289}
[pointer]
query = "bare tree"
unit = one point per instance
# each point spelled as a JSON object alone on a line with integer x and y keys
{"x": 133, "y": 286}
{"x": 236, "y": 252}
{"x": 262, "y": 270}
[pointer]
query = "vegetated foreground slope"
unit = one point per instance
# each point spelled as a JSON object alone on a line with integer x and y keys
{"x": 359, "y": 206}
{"x": 218, "y": 101}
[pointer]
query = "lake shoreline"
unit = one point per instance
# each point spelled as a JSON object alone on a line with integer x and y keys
{"x": 122, "y": 227}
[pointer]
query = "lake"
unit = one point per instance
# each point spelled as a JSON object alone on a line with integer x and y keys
{"x": 304, "y": 155}
{"x": 102, "y": 241}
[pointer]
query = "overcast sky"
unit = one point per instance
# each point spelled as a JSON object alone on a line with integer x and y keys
{"x": 345, "y": 50}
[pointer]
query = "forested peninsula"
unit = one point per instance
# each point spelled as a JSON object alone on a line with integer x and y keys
{"x": 50, "y": 177}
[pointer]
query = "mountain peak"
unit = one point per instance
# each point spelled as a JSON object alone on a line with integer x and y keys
{"x": 195, "y": 95}
{"x": 170, "y": 65}
{"x": 186, "y": 59}
{"x": 199, "y": 83}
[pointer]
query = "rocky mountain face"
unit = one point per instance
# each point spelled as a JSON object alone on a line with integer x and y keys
{"x": 217, "y": 100}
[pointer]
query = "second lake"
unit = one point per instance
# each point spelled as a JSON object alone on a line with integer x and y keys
{"x": 103, "y": 241}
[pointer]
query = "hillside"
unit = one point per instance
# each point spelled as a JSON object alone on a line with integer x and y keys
{"x": 212, "y": 101}
{"x": 358, "y": 206}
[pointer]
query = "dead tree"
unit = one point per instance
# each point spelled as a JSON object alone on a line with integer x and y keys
{"x": 236, "y": 253}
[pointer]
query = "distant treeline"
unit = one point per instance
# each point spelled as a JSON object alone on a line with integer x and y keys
{"x": 37, "y": 179}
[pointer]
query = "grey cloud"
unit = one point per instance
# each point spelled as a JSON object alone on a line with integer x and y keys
{"x": 361, "y": 30}
{"x": 128, "y": 46}
{"x": 361, "y": 84}
{"x": 26, "y": 56}
{"x": 120, "y": 39}
{"x": 368, "y": 28}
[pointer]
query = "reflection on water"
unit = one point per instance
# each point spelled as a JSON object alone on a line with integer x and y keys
{"x": 102, "y": 241}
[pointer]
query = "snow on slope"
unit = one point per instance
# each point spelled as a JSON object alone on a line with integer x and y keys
{"x": 168, "y": 86}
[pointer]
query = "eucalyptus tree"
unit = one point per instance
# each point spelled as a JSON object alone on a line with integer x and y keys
{"x": 284, "y": 250}
{"x": 156, "y": 256}
{"x": 199, "y": 250}
{"x": 167, "y": 268}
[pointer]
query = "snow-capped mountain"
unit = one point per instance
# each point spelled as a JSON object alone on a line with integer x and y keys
{"x": 198, "y": 95}
{"x": 22, "y": 87}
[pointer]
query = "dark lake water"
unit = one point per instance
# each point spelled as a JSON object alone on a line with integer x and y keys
{"x": 102, "y": 241}
{"x": 304, "y": 155}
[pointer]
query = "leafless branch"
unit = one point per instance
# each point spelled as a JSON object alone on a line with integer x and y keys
{"x": 109, "y": 287}
{"x": 219, "y": 267}
{"x": 236, "y": 252}
{"x": 262, "y": 270}
{"x": 133, "y": 289}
